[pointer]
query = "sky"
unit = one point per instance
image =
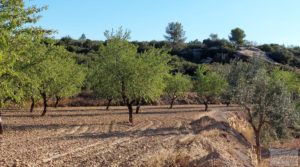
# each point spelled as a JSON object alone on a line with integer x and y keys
{"x": 264, "y": 21}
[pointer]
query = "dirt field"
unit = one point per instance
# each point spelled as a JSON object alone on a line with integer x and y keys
{"x": 92, "y": 136}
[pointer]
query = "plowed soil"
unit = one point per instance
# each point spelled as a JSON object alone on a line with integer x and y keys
{"x": 92, "y": 136}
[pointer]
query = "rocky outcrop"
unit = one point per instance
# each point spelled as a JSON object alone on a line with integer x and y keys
{"x": 252, "y": 52}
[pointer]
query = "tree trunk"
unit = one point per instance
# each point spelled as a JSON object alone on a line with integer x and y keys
{"x": 137, "y": 110}
{"x": 1, "y": 126}
{"x": 258, "y": 148}
{"x": 130, "y": 110}
{"x": 172, "y": 102}
{"x": 227, "y": 104}
{"x": 45, "y": 104}
{"x": 32, "y": 104}
{"x": 57, "y": 101}
{"x": 138, "y": 106}
{"x": 108, "y": 103}
{"x": 206, "y": 106}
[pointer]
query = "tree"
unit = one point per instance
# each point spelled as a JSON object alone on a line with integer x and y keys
{"x": 209, "y": 85}
{"x": 139, "y": 102}
{"x": 120, "y": 34}
{"x": 15, "y": 37}
{"x": 224, "y": 70}
{"x": 233, "y": 72}
{"x": 103, "y": 84}
{"x": 175, "y": 35}
{"x": 177, "y": 85}
{"x": 57, "y": 74}
{"x": 137, "y": 76}
{"x": 31, "y": 85}
{"x": 10, "y": 83}
{"x": 289, "y": 79}
{"x": 74, "y": 77}
{"x": 214, "y": 37}
{"x": 267, "y": 104}
{"x": 82, "y": 37}
{"x": 49, "y": 71}
{"x": 237, "y": 36}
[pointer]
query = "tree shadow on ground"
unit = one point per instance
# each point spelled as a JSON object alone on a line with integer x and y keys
{"x": 169, "y": 131}
{"x": 166, "y": 131}
{"x": 125, "y": 112}
{"x": 10, "y": 127}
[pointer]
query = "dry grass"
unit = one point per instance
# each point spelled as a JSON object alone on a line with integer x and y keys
{"x": 169, "y": 158}
{"x": 241, "y": 125}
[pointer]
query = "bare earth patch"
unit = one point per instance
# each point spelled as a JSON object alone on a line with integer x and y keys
{"x": 92, "y": 136}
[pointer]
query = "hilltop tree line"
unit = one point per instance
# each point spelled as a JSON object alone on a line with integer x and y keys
{"x": 35, "y": 67}
{"x": 188, "y": 54}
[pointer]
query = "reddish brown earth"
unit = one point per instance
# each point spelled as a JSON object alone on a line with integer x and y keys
{"x": 92, "y": 136}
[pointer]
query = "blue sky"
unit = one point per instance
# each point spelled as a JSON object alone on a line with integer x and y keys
{"x": 264, "y": 21}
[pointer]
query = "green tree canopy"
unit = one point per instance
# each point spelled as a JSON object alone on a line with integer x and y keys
{"x": 233, "y": 72}
{"x": 214, "y": 37}
{"x": 82, "y": 37}
{"x": 289, "y": 79}
{"x": 14, "y": 42}
{"x": 54, "y": 74}
{"x": 130, "y": 75}
{"x": 209, "y": 85}
{"x": 71, "y": 79}
{"x": 268, "y": 106}
{"x": 175, "y": 35}
{"x": 237, "y": 36}
{"x": 177, "y": 85}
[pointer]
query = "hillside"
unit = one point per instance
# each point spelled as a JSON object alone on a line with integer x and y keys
{"x": 193, "y": 53}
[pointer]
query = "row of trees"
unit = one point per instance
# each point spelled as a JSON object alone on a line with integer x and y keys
{"x": 267, "y": 94}
{"x": 32, "y": 67}
{"x": 187, "y": 55}
{"x": 123, "y": 74}
{"x": 175, "y": 35}
{"x": 53, "y": 73}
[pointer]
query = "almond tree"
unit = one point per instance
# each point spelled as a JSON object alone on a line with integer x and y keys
{"x": 103, "y": 84}
{"x": 11, "y": 82}
{"x": 133, "y": 76}
{"x": 14, "y": 41}
{"x": 32, "y": 58}
{"x": 56, "y": 74}
{"x": 209, "y": 85}
{"x": 72, "y": 80}
{"x": 177, "y": 86}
